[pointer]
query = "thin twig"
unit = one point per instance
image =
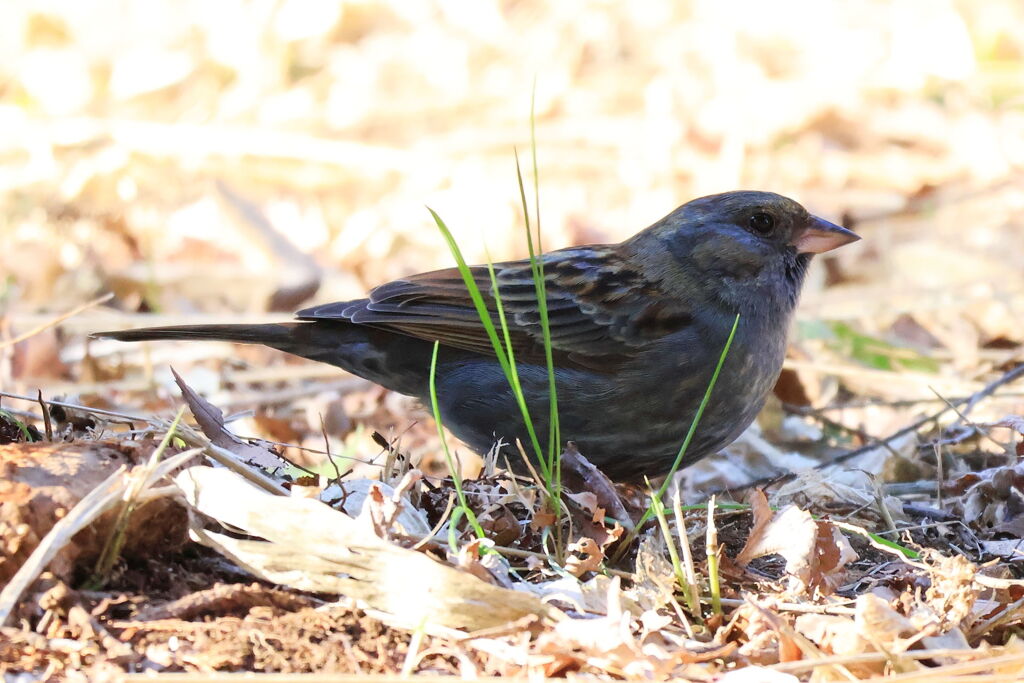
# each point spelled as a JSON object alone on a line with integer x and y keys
{"x": 798, "y": 608}
{"x": 157, "y": 422}
{"x": 77, "y": 406}
{"x": 433, "y": 534}
{"x": 962, "y": 417}
{"x": 327, "y": 446}
{"x": 971, "y": 401}
{"x": 46, "y": 415}
{"x": 880, "y": 657}
{"x": 1011, "y": 613}
{"x": 1009, "y": 376}
{"x": 56, "y": 321}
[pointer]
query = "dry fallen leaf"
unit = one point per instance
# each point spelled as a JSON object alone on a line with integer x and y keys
{"x": 599, "y": 494}
{"x": 881, "y": 625}
{"x": 211, "y": 422}
{"x": 591, "y": 559}
{"x": 834, "y": 634}
{"x": 815, "y": 552}
{"x": 607, "y": 643}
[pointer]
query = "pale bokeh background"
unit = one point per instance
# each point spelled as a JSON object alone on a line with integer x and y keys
{"x": 134, "y": 135}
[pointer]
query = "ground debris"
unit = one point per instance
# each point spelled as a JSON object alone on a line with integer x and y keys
{"x": 243, "y": 156}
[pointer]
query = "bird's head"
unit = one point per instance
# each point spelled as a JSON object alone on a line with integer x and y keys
{"x": 739, "y": 246}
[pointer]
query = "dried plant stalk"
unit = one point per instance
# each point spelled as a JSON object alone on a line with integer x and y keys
{"x": 311, "y": 546}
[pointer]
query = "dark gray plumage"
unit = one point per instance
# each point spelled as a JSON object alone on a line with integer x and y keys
{"x": 636, "y": 329}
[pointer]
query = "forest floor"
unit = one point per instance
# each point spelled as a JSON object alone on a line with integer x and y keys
{"x": 870, "y": 525}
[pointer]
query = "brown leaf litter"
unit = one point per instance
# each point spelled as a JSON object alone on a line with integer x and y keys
{"x": 382, "y": 554}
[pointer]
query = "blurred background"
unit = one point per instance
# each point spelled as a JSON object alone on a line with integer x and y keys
{"x": 225, "y": 160}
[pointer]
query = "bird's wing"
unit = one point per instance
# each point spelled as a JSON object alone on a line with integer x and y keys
{"x": 599, "y": 308}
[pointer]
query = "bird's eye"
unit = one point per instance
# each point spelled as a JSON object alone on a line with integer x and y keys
{"x": 762, "y": 223}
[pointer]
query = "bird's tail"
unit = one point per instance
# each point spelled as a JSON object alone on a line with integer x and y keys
{"x": 243, "y": 334}
{"x": 390, "y": 360}
{"x": 277, "y": 336}
{"x": 315, "y": 341}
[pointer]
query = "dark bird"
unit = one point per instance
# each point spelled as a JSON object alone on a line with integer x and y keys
{"x": 636, "y": 332}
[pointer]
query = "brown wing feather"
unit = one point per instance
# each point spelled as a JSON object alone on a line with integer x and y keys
{"x": 599, "y": 309}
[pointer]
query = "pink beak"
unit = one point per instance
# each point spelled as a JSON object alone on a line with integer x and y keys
{"x": 820, "y": 236}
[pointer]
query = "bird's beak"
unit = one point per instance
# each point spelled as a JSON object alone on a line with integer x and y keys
{"x": 820, "y": 236}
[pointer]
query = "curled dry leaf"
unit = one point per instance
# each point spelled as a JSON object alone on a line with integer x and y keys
{"x": 588, "y": 501}
{"x": 388, "y": 511}
{"x": 993, "y": 498}
{"x": 878, "y": 627}
{"x": 758, "y": 543}
{"x": 890, "y": 631}
{"x": 815, "y": 552}
{"x": 837, "y": 635}
{"x": 593, "y": 525}
{"x": 607, "y": 643}
{"x": 542, "y": 519}
{"x": 654, "y": 581}
{"x": 594, "y": 483}
{"x": 470, "y": 560}
{"x": 952, "y": 592}
{"x": 592, "y": 557}
{"x": 881, "y": 625}
{"x": 501, "y": 525}
{"x": 211, "y": 421}
{"x": 376, "y": 502}
{"x": 766, "y": 638}
{"x": 832, "y": 553}
{"x": 760, "y": 640}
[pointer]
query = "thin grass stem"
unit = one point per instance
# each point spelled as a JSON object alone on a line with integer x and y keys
{"x": 673, "y": 554}
{"x": 542, "y": 299}
{"x": 714, "y": 581}
{"x": 488, "y": 323}
{"x": 649, "y": 512}
{"x": 700, "y": 412}
{"x": 551, "y": 465}
{"x": 452, "y": 469}
{"x": 684, "y": 544}
{"x": 116, "y": 540}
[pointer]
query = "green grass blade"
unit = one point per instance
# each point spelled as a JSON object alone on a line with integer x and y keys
{"x": 553, "y": 470}
{"x": 550, "y": 464}
{"x": 554, "y": 435}
{"x": 649, "y": 512}
{"x": 485, "y": 318}
{"x": 696, "y": 418}
{"x": 513, "y": 375}
{"x": 25, "y": 434}
{"x": 474, "y": 291}
{"x": 673, "y": 554}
